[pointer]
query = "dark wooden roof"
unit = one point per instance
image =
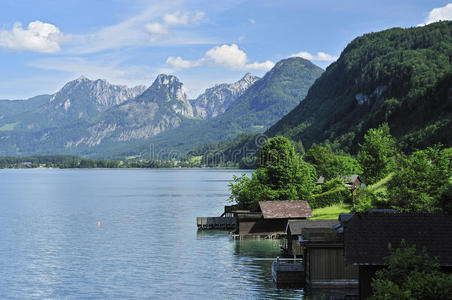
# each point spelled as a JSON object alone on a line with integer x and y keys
{"x": 285, "y": 209}
{"x": 295, "y": 226}
{"x": 367, "y": 235}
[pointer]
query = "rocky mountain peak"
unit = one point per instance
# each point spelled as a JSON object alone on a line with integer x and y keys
{"x": 82, "y": 78}
{"x": 167, "y": 89}
{"x": 214, "y": 101}
{"x": 163, "y": 79}
{"x": 249, "y": 78}
{"x": 88, "y": 97}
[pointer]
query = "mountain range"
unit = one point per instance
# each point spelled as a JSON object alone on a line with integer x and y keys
{"x": 399, "y": 76}
{"x": 96, "y": 118}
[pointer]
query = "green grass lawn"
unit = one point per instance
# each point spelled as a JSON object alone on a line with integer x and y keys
{"x": 330, "y": 212}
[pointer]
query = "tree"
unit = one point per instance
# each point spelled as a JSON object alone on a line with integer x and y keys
{"x": 411, "y": 275}
{"x": 281, "y": 175}
{"x": 421, "y": 180}
{"x": 331, "y": 165}
{"x": 376, "y": 154}
{"x": 445, "y": 202}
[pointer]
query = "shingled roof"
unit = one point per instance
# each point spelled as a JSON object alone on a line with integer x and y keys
{"x": 295, "y": 226}
{"x": 285, "y": 209}
{"x": 367, "y": 235}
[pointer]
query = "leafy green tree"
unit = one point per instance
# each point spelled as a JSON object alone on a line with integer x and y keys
{"x": 420, "y": 181}
{"x": 331, "y": 165}
{"x": 445, "y": 202}
{"x": 376, "y": 154}
{"x": 368, "y": 199}
{"x": 281, "y": 175}
{"x": 411, "y": 275}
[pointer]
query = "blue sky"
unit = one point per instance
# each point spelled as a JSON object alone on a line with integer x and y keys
{"x": 46, "y": 43}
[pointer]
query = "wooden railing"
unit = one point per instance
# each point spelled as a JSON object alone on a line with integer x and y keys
{"x": 216, "y": 222}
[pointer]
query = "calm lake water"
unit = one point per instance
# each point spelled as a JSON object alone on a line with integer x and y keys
{"x": 146, "y": 247}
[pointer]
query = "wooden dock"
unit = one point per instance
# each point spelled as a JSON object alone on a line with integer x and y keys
{"x": 288, "y": 273}
{"x": 218, "y": 223}
{"x": 226, "y": 221}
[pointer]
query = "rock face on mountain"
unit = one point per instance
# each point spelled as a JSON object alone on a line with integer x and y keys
{"x": 162, "y": 106}
{"x": 214, "y": 101}
{"x": 168, "y": 92}
{"x": 78, "y": 100}
{"x": 86, "y": 98}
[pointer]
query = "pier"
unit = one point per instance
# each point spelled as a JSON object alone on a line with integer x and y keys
{"x": 226, "y": 221}
{"x": 288, "y": 273}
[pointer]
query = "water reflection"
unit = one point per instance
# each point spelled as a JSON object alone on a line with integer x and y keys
{"x": 147, "y": 246}
{"x": 252, "y": 259}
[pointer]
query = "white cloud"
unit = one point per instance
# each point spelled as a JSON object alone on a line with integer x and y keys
{"x": 178, "y": 18}
{"x": 182, "y": 18}
{"x": 145, "y": 29}
{"x": 439, "y": 14}
{"x": 179, "y": 63}
{"x": 252, "y": 21}
{"x": 156, "y": 28}
{"x": 320, "y": 56}
{"x": 228, "y": 56}
{"x": 38, "y": 37}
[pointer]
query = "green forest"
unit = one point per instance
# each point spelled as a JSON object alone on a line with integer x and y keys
{"x": 416, "y": 182}
{"x": 398, "y": 76}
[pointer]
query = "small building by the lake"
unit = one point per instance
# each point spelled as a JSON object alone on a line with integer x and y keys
{"x": 367, "y": 235}
{"x": 271, "y": 219}
{"x": 324, "y": 264}
{"x": 290, "y": 245}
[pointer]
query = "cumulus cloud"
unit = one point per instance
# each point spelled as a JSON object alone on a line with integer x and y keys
{"x": 439, "y": 14}
{"x": 320, "y": 56}
{"x": 38, "y": 37}
{"x": 180, "y": 63}
{"x": 179, "y": 18}
{"x": 228, "y": 56}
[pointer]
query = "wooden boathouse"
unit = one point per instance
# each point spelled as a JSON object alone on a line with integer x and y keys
{"x": 226, "y": 221}
{"x": 324, "y": 262}
{"x": 290, "y": 245}
{"x": 271, "y": 219}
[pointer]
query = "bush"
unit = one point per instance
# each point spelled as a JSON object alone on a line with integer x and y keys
{"x": 367, "y": 199}
{"x": 334, "y": 196}
{"x": 411, "y": 275}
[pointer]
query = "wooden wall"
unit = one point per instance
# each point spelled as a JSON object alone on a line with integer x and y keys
{"x": 328, "y": 265}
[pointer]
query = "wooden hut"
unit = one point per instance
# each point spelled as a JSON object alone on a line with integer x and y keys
{"x": 290, "y": 245}
{"x": 367, "y": 235}
{"x": 271, "y": 219}
{"x": 324, "y": 260}
{"x": 353, "y": 182}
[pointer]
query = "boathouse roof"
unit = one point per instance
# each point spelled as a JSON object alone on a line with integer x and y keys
{"x": 367, "y": 235}
{"x": 290, "y": 209}
{"x": 295, "y": 226}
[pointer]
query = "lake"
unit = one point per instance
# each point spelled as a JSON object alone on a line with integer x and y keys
{"x": 147, "y": 244}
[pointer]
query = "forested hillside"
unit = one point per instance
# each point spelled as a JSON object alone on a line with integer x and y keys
{"x": 399, "y": 76}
